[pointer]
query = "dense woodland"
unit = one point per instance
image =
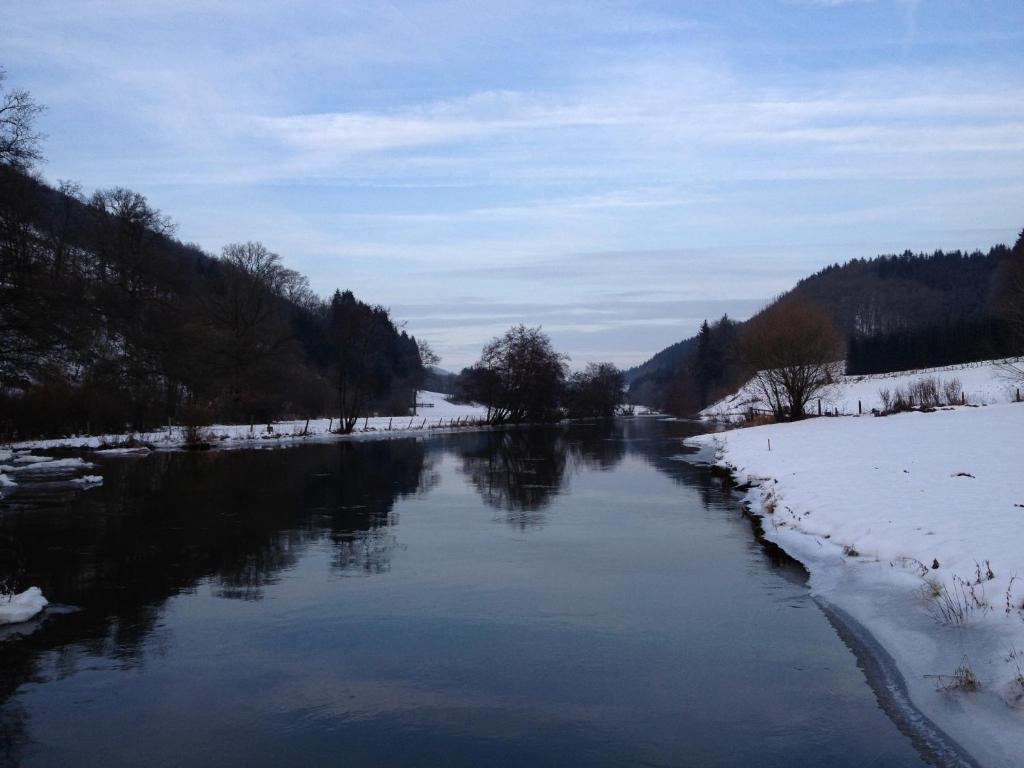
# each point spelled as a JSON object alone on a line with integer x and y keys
{"x": 108, "y": 323}
{"x": 895, "y": 312}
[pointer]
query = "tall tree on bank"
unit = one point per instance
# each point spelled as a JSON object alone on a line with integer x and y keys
{"x": 1009, "y": 303}
{"x": 519, "y": 377}
{"x": 793, "y": 346}
{"x": 372, "y": 360}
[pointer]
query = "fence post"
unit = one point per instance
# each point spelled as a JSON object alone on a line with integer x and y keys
{"x": 389, "y": 423}
{"x": 1018, "y": 394}
{"x": 963, "y": 398}
{"x": 819, "y": 406}
{"x": 860, "y": 409}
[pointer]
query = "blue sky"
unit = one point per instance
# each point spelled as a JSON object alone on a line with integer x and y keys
{"x": 612, "y": 171}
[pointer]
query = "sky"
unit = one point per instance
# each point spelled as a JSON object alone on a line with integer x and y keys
{"x": 614, "y": 172}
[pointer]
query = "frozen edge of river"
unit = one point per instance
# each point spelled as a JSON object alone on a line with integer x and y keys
{"x": 895, "y": 643}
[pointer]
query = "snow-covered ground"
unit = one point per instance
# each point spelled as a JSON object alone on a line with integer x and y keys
{"x": 982, "y": 383}
{"x": 21, "y": 607}
{"x": 437, "y": 413}
{"x": 913, "y": 525}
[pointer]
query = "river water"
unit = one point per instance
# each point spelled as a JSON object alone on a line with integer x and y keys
{"x": 563, "y": 596}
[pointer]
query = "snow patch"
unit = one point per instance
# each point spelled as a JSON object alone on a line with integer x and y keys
{"x": 17, "y": 608}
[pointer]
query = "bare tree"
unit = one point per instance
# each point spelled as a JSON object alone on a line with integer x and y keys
{"x": 519, "y": 377}
{"x": 793, "y": 347}
{"x": 19, "y": 139}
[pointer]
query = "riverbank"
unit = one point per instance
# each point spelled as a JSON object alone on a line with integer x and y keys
{"x": 435, "y": 412}
{"x": 911, "y": 525}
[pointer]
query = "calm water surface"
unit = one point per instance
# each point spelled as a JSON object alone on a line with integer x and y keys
{"x": 551, "y": 597}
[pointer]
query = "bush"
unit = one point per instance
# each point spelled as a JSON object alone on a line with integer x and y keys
{"x": 925, "y": 392}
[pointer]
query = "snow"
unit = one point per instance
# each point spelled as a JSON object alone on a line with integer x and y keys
{"x": 982, "y": 383}
{"x": 26, "y": 463}
{"x": 437, "y": 414}
{"x": 870, "y": 505}
{"x": 21, "y": 607}
{"x": 89, "y": 480}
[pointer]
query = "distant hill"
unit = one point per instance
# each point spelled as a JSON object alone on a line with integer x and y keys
{"x": 897, "y": 311}
{"x": 439, "y": 380}
{"x": 647, "y": 380}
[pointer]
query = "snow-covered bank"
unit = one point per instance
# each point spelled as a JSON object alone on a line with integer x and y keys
{"x": 15, "y": 609}
{"x": 437, "y": 412}
{"x": 914, "y": 526}
{"x": 982, "y": 383}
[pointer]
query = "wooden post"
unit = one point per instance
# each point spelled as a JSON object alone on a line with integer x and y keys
{"x": 769, "y": 444}
{"x": 305, "y": 429}
{"x": 424, "y": 424}
{"x": 963, "y": 398}
{"x": 1018, "y": 394}
{"x": 819, "y": 406}
{"x": 389, "y": 425}
{"x": 860, "y": 409}
{"x": 330, "y": 423}
{"x": 366, "y": 423}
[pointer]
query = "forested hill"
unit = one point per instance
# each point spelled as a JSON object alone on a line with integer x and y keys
{"x": 651, "y": 377}
{"x": 108, "y": 322}
{"x": 896, "y": 312}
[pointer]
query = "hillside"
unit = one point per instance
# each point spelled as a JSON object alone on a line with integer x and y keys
{"x": 978, "y": 383}
{"x": 895, "y": 311}
{"x": 648, "y": 379}
{"x": 109, "y": 323}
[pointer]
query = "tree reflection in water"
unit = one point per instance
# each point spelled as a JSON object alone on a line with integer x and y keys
{"x": 521, "y": 471}
{"x": 170, "y": 522}
{"x": 234, "y": 521}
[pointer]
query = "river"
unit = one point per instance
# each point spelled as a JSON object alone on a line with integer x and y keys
{"x": 564, "y": 596}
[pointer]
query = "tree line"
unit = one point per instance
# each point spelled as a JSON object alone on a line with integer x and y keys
{"x": 521, "y": 378}
{"x": 108, "y": 322}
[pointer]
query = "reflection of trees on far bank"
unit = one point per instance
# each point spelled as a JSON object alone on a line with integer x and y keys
{"x": 520, "y": 471}
{"x": 165, "y": 524}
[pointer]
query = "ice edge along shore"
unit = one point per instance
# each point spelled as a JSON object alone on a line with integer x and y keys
{"x": 869, "y": 505}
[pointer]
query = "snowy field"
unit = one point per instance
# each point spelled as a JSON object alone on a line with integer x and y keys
{"x": 437, "y": 413}
{"x": 913, "y": 525}
{"x": 982, "y": 383}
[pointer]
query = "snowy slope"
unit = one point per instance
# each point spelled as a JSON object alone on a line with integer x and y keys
{"x": 982, "y": 383}
{"x": 870, "y": 505}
